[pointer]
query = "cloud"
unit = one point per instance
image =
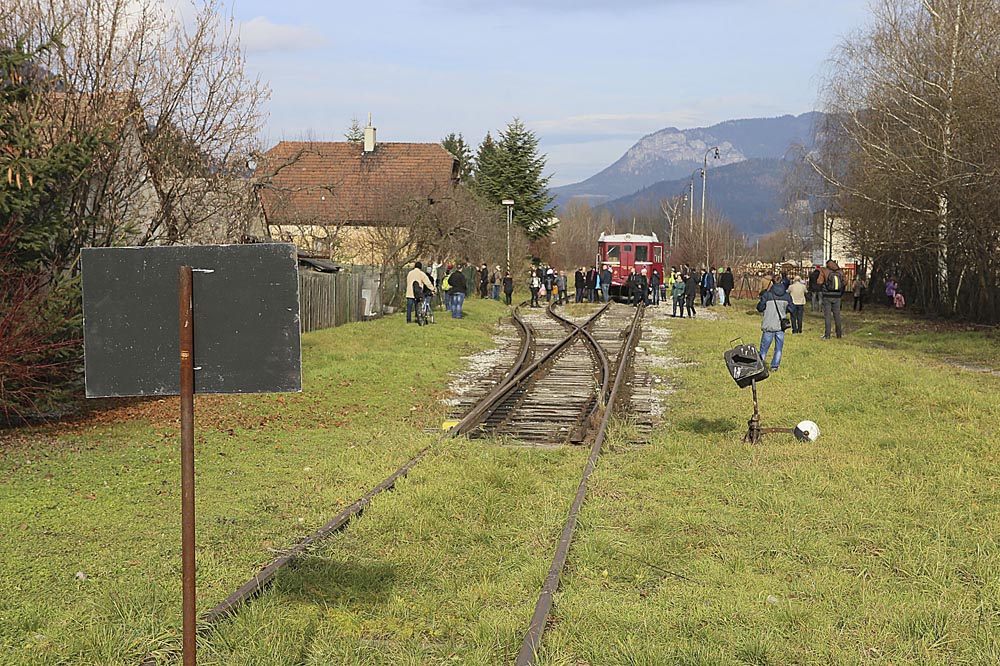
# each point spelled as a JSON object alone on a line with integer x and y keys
{"x": 260, "y": 35}
{"x": 607, "y": 125}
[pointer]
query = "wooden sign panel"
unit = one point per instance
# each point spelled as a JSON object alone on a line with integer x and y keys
{"x": 246, "y": 319}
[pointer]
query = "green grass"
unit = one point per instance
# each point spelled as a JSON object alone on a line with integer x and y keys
{"x": 874, "y": 545}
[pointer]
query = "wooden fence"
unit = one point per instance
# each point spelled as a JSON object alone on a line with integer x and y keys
{"x": 333, "y": 299}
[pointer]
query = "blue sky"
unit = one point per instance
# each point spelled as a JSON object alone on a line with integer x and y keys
{"x": 589, "y": 77}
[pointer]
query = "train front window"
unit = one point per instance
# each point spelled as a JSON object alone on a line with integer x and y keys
{"x": 641, "y": 253}
{"x": 657, "y": 255}
{"x": 614, "y": 254}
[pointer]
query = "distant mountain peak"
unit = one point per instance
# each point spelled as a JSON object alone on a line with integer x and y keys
{"x": 671, "y": 154}
{"x": 661, "y": 163}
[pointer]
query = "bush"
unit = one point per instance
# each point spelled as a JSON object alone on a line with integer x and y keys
{"x": 40, "y": 342}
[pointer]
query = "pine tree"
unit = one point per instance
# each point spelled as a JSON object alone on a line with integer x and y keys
{"x": 511, "y": 168}
{"x": 485, "y": 170}
{"x": 355, "y": 133}
{"x": 456, "y": 145}
{"x": 37, "y": 178}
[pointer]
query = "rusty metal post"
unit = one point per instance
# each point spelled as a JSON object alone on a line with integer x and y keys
{"x": 754, "y": 432}
{"x": 186, "y": 311}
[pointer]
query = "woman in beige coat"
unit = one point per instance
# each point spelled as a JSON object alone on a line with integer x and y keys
{"x": 797, "y": 290}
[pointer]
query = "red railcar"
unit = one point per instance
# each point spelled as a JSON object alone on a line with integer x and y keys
{"x": 623, "y": 252}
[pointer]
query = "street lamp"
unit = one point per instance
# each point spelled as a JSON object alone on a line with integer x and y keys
{"x": 509, "y": 203}
{"x": 704, "y": 181}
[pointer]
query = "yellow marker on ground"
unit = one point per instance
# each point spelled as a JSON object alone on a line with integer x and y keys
{"x": 448, "y": 425}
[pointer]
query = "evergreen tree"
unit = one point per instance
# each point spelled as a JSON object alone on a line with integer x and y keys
{"x": 355, "y": 133}
{"x": 486, "y": 170}
{"x": 40, "y": 171}
{"x": 456, "y": 145}
{"x": 38, "y": 177}
{"x": 511, "y": 168}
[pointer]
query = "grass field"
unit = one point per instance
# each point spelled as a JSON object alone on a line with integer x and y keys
{"x": 874, "y": 545}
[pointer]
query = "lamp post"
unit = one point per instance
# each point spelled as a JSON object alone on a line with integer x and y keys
{"x": 704, "y": 182}
{"x": 509, "y": 203}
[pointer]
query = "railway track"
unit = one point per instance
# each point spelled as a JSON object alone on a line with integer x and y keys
{"x": 564, "y": 373}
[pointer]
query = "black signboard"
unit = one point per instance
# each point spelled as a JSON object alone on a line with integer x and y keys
{"x": 246, "y": 319}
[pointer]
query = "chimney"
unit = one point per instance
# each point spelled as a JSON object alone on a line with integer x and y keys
{"x": 369, "y": 136}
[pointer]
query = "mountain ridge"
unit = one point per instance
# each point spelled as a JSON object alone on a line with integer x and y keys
{"x": 669, "y": 157}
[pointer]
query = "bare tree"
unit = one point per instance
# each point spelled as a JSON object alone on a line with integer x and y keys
{"x": 172, "y": 98}
{"x": 912, "y": 148}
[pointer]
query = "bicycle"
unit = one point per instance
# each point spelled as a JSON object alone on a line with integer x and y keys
{"x": 424, "y": 313}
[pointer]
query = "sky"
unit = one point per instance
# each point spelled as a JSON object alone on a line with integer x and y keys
{"x": 588, "y": 77}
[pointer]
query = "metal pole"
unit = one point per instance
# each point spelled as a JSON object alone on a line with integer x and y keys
{"x": 508, "y": 238}
{"x": 691, "y": 208}
{"x": 186, "y": 311}
{"x": 704, "y": 183}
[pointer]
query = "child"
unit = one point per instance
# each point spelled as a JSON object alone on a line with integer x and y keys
{"x": 898, "y": 299}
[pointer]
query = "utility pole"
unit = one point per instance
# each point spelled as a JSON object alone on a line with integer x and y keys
{"x": 704, "y": 183}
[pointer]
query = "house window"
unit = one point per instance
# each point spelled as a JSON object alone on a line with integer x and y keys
{"x": 657, "y": 254}
{"x": 641, "y": 253}
{"x": 614, "y": 254}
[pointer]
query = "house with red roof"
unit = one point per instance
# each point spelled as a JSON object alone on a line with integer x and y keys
{"x": 352, "y": 201}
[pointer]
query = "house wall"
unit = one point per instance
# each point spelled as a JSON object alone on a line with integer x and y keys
{"x": 830, "y": 240}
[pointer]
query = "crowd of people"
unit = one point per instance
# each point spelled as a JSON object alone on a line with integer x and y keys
{"x": 683, "y": 286}
{"x": 782, "y": 298}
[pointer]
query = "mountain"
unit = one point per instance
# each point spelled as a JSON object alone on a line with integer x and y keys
{"x": 673, "y": 155}
{"x": 749, "y": 193}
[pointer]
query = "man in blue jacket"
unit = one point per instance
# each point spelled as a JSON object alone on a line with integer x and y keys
{"x": 774, "y": 304}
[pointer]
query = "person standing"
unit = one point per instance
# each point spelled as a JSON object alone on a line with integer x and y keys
{"x": 708, "y": 285}
{"x": 562, "y": 282}
{"x": 508, "y": 287}
{"x": 814, "y": 288}
{"x": 549, "y": 282}
{"x": 496, "y": 277}
{"x": 580, "y": 283}
{"x": 484, "y": 280}
{"x": 459, "y": 288}
{"x": 774, "y": 305}
{"x": 591, "y": 292}
{"x": 797, "y": 291}
{"x": 446, "y": 287}
{"x": 642, "y": 288}
{"x": 890, "y": 291}
{"x": 832, "y": 282}
{"x": 690, "y": 292}
{"x": 677, "y": 295}
{"x": 418, "y": 277}
{"x": 859, "y": 287}
{"x": 606, "y": 283}
{"x": 631, "y": 287}
{"x": 534, "y": 284}
{"x": 654, "y": 286}
{"x": 728, "y": 282}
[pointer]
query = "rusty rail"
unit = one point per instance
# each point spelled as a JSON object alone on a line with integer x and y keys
{"x": 532, "y": 640}
{"x": 265, "y": 576}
